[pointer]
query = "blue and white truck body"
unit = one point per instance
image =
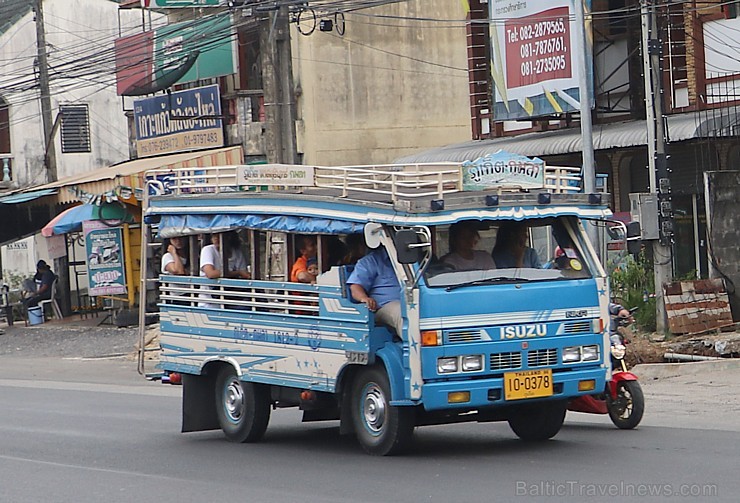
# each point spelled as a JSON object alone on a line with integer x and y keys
{"x": 505, "y": 344}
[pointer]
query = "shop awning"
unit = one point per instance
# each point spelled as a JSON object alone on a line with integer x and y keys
{"x": 679, "y": 127}
{"x": 121, "y": 181}
{"x": 24, "y": 197}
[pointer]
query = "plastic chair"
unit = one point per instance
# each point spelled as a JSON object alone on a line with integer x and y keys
{"x": 52, "y": 301}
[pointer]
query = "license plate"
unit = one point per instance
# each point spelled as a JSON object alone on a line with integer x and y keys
{"x": 527, "y": 384}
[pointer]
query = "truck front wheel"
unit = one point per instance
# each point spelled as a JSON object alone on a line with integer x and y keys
{"x": 381, "y": 429}
{"x": 243, "y": 408}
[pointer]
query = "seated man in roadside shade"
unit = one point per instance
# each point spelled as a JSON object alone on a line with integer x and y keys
{"x": 463, "y": 256}
{"x": 373, "y": 282}
{"x": 512, "y": 247}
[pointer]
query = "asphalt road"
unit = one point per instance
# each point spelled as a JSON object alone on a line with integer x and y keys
{"x": 77, "y": 430}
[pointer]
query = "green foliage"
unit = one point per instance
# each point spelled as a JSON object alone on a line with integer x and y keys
{"x": 633, "y": 285}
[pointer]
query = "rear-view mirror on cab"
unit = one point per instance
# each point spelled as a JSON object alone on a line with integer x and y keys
{"x": 408, "y": 246}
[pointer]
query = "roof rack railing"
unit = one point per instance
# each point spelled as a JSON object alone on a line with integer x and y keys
{"x": 399, "y": 181}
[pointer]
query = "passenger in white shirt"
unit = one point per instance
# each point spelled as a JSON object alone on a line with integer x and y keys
{"x": 211, "y": 264}
{"x": 175, "y": 261}
{"x": 463, "y": 256}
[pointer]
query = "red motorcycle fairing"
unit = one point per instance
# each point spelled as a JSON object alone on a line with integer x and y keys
{"x": 588, "y": 404}
{"x": 618, "y": 377}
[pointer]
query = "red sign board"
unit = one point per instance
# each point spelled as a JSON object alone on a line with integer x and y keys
{"x": 538, "y": 48}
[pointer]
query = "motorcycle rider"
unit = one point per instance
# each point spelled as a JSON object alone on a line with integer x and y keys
{"x": 616, "y": 311}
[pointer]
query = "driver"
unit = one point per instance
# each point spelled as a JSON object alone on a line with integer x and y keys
{"x": 463, "y": 256}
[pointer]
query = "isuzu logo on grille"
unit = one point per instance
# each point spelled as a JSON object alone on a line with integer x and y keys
{"x": 524, "y": 331}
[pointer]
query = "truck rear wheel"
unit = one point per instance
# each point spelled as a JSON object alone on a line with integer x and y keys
{"x": 243, "y": 408}
{"x": 537, "y": 422}
{"x": 381, "y": 429}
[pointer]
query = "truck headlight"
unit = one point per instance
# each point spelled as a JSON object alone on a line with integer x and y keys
{"x": 446, "y": 365}
{"x": 618, "y": 351}
{"x": 572, "y": 354}
{"x": 590, "y": 353}
{"x": 472, "y": 363}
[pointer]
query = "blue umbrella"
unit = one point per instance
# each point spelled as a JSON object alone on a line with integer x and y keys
{"x": 70, "y": 220}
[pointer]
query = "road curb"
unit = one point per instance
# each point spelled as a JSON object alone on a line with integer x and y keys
{"x": 647, "y": 371}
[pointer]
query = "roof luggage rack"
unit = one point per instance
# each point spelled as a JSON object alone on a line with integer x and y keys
{"x": 398, "y": 181}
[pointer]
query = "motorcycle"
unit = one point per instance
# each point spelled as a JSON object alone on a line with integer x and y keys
{"x": 622, "y": 399}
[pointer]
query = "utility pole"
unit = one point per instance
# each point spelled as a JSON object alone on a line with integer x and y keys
{"x": 50, "y": 160}
{"x": 277, "y": 80}
{"x": 584, "y": 62}
{"x": 658, "y": 170}
{"x": 584, "y": 94}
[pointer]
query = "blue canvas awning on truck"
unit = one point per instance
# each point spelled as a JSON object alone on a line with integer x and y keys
{"x": 178, "y": 225}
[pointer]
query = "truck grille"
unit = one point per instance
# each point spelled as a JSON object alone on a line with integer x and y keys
{"x": 577, "y": 327}
{"x": 511, "y": 360}
{"x": 464, "y": 336}
{"x": 542, "y": 357}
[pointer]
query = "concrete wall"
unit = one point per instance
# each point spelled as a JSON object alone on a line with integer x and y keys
{"x": 386, "y": 88}
{"x": 76, "y": 30}
{"x": 722, "y": 194}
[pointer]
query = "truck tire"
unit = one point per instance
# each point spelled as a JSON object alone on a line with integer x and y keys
{"x": 536, "y": 422}
{"x": 381, "y": 429}
{"x": 243, "y": 408}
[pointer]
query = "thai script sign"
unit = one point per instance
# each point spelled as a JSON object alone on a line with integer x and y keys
{"x": 185, "y": 120}
{"x": 534, "y": 44}
{"x": 104, "y": 251}
{"x": 503, "y": 169}
{"x": 275, "y": 174}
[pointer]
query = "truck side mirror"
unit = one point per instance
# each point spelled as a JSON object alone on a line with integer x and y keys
{"x": 408, "y": 247}
{"x": 634, "y": 241}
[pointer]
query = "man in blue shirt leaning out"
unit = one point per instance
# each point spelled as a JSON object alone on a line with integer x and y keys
{"x": 373, "y": 282}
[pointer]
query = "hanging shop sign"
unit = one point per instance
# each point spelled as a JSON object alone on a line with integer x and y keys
{"x": 185, "y": 120}
{"x": 146, "y": 61}
{"x": 104, "y": 252}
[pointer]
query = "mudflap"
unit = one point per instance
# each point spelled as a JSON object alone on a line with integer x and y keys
{"x": 199, "y": 403}
{"x": 618, "y": 377}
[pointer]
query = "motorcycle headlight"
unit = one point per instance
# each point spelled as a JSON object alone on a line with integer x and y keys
{"x": 446, "y": 365}
{"x": 590, "y": 353}
{"x": 572, "y": 354}
{"x": 618, "y": 351}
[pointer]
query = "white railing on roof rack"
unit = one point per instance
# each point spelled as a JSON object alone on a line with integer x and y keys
{"x": 399, "y": 181}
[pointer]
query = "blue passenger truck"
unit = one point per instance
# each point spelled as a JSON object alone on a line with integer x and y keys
{"x": 504, "y": 342}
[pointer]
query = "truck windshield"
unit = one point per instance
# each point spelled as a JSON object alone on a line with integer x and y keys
{"x": 474, "y": 252}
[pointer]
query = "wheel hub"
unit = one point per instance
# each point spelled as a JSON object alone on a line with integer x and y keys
{"x": 234, "y": 400}
{"x": 374, "y": 408}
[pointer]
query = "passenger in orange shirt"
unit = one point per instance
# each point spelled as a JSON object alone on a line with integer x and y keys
{"x": 307, "y": 249}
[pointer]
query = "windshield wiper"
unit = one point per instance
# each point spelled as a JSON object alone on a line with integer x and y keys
{"x": 487, "y": 281}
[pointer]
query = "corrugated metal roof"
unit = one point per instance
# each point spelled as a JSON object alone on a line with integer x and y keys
{"x": 566, "y": 141}
{"x": 26, "y": 196}
{"x": 11, "y": 11}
